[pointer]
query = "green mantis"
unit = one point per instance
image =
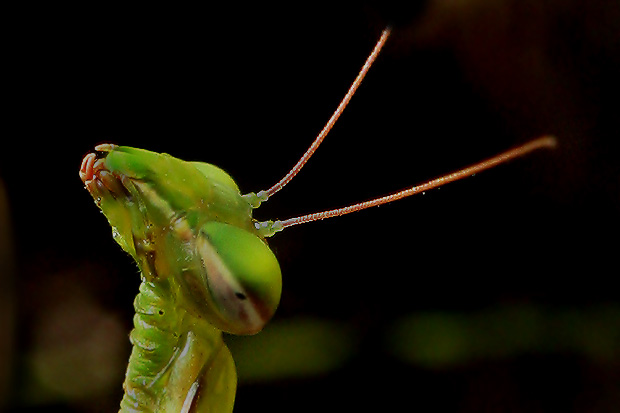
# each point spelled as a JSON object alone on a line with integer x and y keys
{"x": 204, "y": 262}
{"x": 184, "y": 239}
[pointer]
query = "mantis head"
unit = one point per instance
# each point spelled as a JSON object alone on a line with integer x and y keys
{"x": 186, "y": 224}
{"x": 188, "y": 221}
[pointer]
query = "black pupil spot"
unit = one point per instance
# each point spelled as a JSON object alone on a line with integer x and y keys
{"x": 240, "y": 296}
{"x": 161, "y": 312}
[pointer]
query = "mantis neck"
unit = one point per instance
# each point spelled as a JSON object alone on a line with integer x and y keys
{"x": 173, "y": 358}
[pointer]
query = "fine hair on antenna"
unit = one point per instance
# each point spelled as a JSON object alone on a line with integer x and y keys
{"x": 269, "y": 228}
{"x": 264, "y": 195}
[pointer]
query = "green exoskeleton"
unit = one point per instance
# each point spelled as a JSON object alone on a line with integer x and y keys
{"x": 204, "y": 263}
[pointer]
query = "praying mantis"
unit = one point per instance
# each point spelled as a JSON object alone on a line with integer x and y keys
{"x": 205, "y": 265}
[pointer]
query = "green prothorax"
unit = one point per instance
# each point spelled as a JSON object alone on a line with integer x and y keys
{"x": 205, "y": 269}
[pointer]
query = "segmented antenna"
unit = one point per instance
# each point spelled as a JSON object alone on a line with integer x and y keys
{"x": 262, "y": 196}
{"x": 269, "y": 228}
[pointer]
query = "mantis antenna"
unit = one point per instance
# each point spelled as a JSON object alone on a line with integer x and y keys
{"x": 262, "y": 196}
{"x": 269, "y": 228}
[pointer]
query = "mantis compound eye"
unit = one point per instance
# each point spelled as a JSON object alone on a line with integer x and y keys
{"x": 243, "y": 277}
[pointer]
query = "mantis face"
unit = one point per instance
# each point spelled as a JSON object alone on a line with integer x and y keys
{"x": 186, "y": 223}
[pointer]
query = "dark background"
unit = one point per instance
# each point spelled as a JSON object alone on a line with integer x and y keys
{"x": 247, "y": 88}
